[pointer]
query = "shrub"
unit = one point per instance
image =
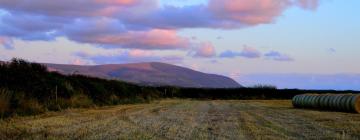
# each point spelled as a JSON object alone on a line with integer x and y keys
{"x": 114, "y": 100}
{"x": 30, "y": 107}
{"x": 259, "y": 86}
{"x": 59, "y": 104}
{"x": 80, "y": 100}
{"x": 5, "y": 97}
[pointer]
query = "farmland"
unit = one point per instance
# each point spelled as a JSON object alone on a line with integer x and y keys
{"x": 186, "y": 119}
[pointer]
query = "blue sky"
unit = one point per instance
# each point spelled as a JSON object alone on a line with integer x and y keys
{"x": 239, "y": 38}
{"x": 305, "y": 35}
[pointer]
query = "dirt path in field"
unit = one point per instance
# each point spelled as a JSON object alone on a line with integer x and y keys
{"x": 187, "y": 119}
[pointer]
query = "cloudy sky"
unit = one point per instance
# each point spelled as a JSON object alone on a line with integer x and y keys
{"x": 288, "y": 43}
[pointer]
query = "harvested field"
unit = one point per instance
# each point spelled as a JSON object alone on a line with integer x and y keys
{"x": 187, "y": 119}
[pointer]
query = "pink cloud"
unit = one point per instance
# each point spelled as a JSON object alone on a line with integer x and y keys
{"x": 3, "y": 40}
{"x": 68, "y": 8}
{"x": 126, "y": 56}
{"x": 140, "y": 53}
{"x": 225, "y": 14}
{"x": 248, "y": 11}
{"x": 153, "y": 39}
{"x": 135, "y": 24}
{"x": 78, "y": 62}
{"x": 148, "y": 13}
{"x": 205, "y": 50}
{"x": 111, "y": 33}
{"x": 117, "y": 2}
{"x": 158, "y": 37}
{"x": 308, "y": 4}
{"x": 6, "y": 42}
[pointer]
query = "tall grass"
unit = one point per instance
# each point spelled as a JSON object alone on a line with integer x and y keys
{"x": 4, "y": 102}
{"x": 30, "y": 107}
{"x": 80, "y": 101}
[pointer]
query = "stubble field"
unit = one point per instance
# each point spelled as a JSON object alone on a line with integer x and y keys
{"x": 187, "y": 119}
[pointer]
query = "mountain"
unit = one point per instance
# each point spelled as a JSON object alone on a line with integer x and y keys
{"x": 153, "y": 73}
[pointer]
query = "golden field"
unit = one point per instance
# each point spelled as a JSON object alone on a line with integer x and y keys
{"x": 187, "y": 119}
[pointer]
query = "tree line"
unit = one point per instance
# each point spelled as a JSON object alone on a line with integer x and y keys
{"x": 29, "y": 88}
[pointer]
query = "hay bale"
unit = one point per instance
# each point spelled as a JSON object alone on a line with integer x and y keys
{"x": 336, "y": 102}
{"x": 355, "y": 103}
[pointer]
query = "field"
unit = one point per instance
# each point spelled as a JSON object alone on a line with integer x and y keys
{"x": 187, "y": 119}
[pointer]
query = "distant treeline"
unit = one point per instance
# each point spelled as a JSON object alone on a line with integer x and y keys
{"x": 29, "y": 88}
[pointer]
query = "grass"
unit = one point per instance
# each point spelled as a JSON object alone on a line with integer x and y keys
{"x": 186, "y": 119}
{"x": 4, "y": 102}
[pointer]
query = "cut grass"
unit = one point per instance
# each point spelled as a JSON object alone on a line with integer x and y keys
{"x": 186, "y": 119}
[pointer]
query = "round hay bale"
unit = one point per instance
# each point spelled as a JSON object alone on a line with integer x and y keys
{"x": 307, "y": 101}
{"x": 322, "y": 101}
{"x": 294, "y": 101}
{"x": 355, "y": 103}
{"x": 327, "y": 101}
{"x": 317, "y": 101}
{"x": 337, "y": 102}
{"x": 298, "y": 100}
{"x": 302, "y": 101}
{"x": 342, "y": 105}
{"x": 348, "y": 102}
{"x": 334, "y": 101}
{"x": 331, "y": 97}
{"x": 313, "y": 101}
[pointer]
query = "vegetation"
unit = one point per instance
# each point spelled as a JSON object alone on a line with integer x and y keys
{"x": 187, "y": 119}
{"x": 265, "y": 86}
{"x": 28, "y": 88}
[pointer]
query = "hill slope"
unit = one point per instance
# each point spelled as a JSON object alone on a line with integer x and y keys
{"x": 153, "y": 73}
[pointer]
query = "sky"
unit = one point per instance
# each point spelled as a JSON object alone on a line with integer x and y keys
{"x": 310, "y": 44}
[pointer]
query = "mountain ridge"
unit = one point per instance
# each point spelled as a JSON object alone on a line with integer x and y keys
{"x": 149, "y": 73}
